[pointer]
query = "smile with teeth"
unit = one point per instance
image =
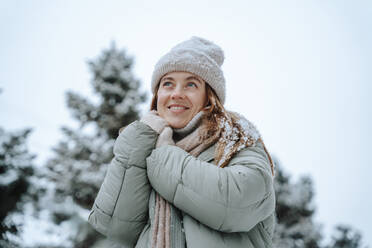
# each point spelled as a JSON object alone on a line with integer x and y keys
{"x": 177, "y": 107}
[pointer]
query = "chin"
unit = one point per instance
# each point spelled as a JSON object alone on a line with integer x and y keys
{"x": 177, "y": 124}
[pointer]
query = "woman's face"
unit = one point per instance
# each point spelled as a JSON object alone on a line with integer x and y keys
{"x": 181, "y": 95}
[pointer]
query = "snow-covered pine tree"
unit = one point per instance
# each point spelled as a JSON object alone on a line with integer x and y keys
{"x": 77, "y": 169}
{"x": 16, "y": 168}
{"x": 346, "y": 237}
{"x": 295, "y": 227}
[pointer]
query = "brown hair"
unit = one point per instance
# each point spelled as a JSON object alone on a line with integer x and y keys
{"x": 215, "y": 112}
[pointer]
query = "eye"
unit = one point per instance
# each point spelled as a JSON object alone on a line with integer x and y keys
{"x": 191, "y": 84}
{"x": 167, "y": 84}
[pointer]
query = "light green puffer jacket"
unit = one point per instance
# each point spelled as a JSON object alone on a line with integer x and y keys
{"x": 221, "y": 207}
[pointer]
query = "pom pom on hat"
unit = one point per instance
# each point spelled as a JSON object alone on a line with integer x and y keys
{"x": 198, "y": 56}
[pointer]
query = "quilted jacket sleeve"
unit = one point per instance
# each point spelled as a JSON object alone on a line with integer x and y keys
{"x": 230, "y": 199}
{"x": 121, "y": 207}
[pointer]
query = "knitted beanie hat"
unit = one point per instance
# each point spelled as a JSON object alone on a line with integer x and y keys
{"x": 198, "y": 56}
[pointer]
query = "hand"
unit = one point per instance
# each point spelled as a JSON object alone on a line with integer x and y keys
{"x": 165, "y": 138}
{"x": 153, "y": 120}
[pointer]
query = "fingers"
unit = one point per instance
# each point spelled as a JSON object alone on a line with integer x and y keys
{"x": 154, "y": 121}
{"x": 165, "y": 137}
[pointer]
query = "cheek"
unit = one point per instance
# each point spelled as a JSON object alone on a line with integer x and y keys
{"x": 199, "y": 101}
{"x": 161, "y": 102}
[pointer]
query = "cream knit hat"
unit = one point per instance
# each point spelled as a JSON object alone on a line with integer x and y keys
{"x": 198, "y": 56}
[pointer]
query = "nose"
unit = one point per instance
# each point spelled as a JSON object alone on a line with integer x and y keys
{"x": 177, "y": 93}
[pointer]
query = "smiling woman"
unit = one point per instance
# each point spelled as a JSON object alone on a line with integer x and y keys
{"x": 189, "y": 173}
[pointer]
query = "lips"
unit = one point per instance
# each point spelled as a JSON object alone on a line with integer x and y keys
{"x": 177, "y": 107}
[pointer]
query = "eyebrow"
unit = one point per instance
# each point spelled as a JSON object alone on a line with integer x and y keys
{"x": 167, "y": 78}
{"x": 188, "y": 78}
{"x": 193, "y": 77}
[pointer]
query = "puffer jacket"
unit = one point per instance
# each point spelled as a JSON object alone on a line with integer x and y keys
{"x": 221, "y": 207}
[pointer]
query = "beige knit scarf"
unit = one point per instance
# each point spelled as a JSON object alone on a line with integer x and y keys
{"x": 234, "y": 134}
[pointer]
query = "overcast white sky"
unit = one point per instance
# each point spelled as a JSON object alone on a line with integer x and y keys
{"x": 300, "y": 70}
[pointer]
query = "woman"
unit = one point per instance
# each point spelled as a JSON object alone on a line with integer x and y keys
{"x": 189, "y": 173}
